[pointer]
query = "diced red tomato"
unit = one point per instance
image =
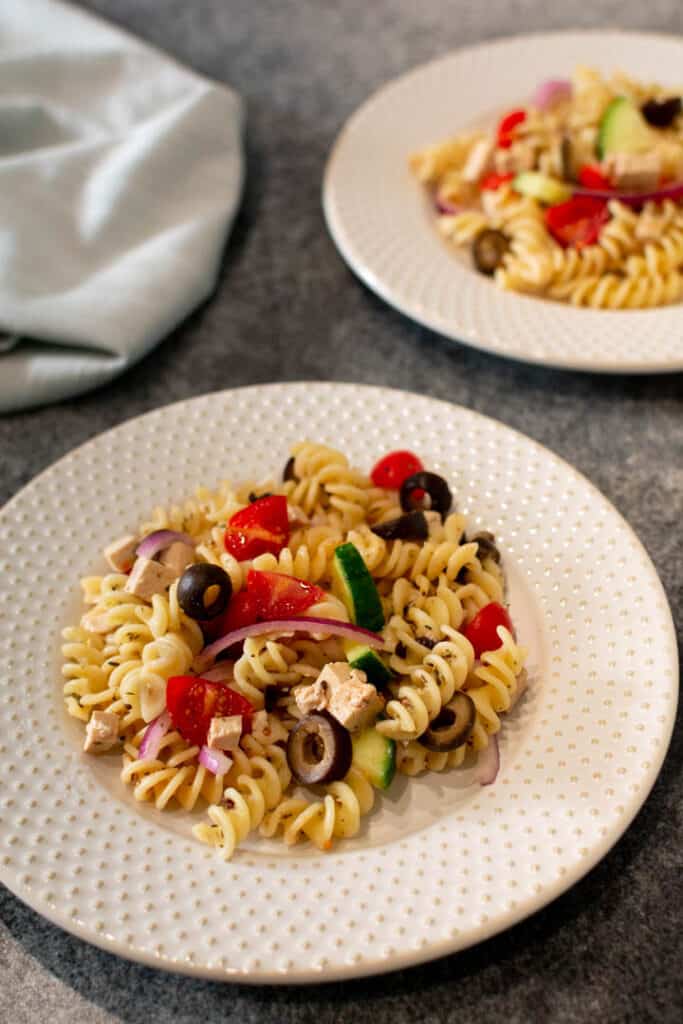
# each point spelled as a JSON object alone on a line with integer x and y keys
{"x": 242, "y": 610}
{"x": 577, "y": 222}
{"x": 259, "y": 528}
{"x": 394, "y": 468}
{"x": 280, "y": 597}
{"x": 481, "y": 631}
{"x": 592, "y": 176}
{"x": 192, "y": 702}
{"x": 490, "y": 182}
{"x": 506, "y": 129}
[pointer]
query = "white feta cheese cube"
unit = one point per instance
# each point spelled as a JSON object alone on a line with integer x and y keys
{"x": 101, "y": 732}
{"x": 177, "y": 557}
{"x": 345, "y": 693}
{"x": 634, "y": 170}
{"x": 149, "y": 578}
{"x": 225, "y": 733}
{"x": 120, "y": 554}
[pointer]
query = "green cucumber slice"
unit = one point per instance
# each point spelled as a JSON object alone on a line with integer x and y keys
{"x": 623, "y": 129}
{"x": 366, "y": 660}
{"x": 541, "y": 187}
{"x": 375, "y": 756}
{"x": 356, "y": 587}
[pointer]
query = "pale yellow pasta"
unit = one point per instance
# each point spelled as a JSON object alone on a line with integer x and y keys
{"x": 120, "y": 656}
{"x": 419, "y": 699}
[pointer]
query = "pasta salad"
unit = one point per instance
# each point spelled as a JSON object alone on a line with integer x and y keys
{"x": 275, "y": 653}
{"x": 576, "y": 196}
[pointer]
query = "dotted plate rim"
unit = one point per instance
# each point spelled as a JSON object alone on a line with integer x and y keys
{"x": 191, "y": 956}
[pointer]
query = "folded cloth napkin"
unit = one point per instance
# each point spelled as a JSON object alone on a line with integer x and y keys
{"x": 120, "y": 174}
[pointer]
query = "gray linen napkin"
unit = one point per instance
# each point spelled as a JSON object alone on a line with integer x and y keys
{"x": 120, "y": 174}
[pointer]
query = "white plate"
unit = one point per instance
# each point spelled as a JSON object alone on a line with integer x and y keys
{"x": 441, "y": 863}
{"x": 385, "y": 229}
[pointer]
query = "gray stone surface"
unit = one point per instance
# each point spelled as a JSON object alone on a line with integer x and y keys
{"x": 287, "y": 308}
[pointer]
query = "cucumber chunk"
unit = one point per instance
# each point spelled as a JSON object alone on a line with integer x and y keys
{"x": 541, "y": 187}
{"x": 623, "y": 129}
{"x": 375, "y": 756}
{"x": 356, "y": 587}
{"x": 364, "y": 658}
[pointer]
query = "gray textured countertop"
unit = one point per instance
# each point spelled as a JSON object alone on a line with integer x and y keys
{"x": 286, "y": 308}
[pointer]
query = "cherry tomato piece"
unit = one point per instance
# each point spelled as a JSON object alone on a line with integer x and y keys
{"x": 577, "y": 222}
{"x": 506, "y": 129}
{"x": 490, "y": 182}
{"x": 394, "y": 468}
{"x": 192, "y": 702}
{"x": 242, "y": 611}
{"x": 259, "y": 528}
{"x": 482, "y": 630}
{"x": 592, "y": 176}
{"x": 280, "y": 597}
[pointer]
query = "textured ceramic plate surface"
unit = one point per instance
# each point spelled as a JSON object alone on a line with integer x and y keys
{"x": 385, "y": 228}
{"x": 441, "y": 862}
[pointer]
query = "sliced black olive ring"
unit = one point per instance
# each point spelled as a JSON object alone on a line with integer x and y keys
{"x": 487, "y": 545}
{"x": 288, "y": 472}
{"x": 661, "y": 113}
{"x": 319, "y": 749}
{"x": 452, "y": 726}
{"x": 411, "y": 526}
{"x": 439, "y": 492}
{"x": 488, "y": 249}
{"x": 204, "y": 591}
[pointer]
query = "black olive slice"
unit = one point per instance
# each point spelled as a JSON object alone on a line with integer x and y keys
{"x": 253, "y": 496}
{"x": 412, "y": 526}
{"x": 452, "y": 726}
{"x": 566, "y": 159}
{"x": 288, "y": 472}
{"x": 488, "y": 249}
{"x": 661, "y": 113}
{"x": 271, "y": 696}
{"x": 193, "y": 586}
{"x": 487, "y": 545}
{"x": 319, "y": 749}
{"x": 439, "y": 492}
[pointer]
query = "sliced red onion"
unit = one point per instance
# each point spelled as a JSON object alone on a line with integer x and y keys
{"x": 332, "y": 627}
{"x": 444, "y": 206}
{"x": 673, "y": 191}
{"x": 220, "y": 673}
{"x": 155, "y": 542}
{"x": 488, "y": 763}
{"x": 154, "y": 734}
{"x": 550, "y": 92}
{"x": 215, "y": 761}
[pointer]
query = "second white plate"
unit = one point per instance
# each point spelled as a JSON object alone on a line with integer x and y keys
{"x": 385, "y": 229}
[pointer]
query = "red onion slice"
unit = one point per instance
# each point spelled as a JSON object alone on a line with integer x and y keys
{"x": 488, "y": 763}
{"x": 155, "y": 542}
{"x": 331, "y": 627}
{"x": 551, "y": 92}
{"x": 215, "y": 761}
{"x": 444, "y": 206}
{"x": 154, "y": 734}
{"x": 673, "y": 191}
{"x": 220, "y": 673}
